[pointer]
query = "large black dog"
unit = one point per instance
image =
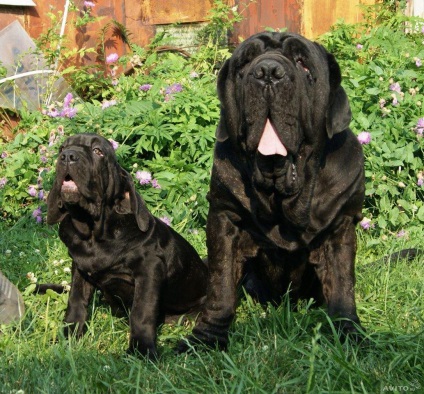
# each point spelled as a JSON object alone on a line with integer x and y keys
{"x": 138, "y": 262}
{"x": 287, "y": 183}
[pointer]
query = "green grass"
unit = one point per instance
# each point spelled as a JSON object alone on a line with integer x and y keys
{"x": 273, "y": 351}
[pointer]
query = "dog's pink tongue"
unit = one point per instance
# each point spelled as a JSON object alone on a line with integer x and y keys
{"x": 69, "y": 186}
{"x": 270, "y": 144}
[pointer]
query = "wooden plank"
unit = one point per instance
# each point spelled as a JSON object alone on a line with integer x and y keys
{"x": 263, "y": 14}
{"x": 318, "y": 16}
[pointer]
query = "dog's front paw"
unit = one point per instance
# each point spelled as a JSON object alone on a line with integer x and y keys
{"x": 76, "y": 330}
{"x": 200, "y": 339}
{"x": 137, "y": 349}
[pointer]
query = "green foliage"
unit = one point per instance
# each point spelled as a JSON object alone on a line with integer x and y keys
{"x": 383, "y": 77}
{"x": 163, "y": 114}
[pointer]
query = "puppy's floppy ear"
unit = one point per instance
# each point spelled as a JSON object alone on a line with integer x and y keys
{"x": 338, "y": 115}
{"x": 55, "y": 208}
{"x": 133, "y": 204}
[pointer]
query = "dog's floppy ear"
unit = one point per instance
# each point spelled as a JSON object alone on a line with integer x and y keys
{"x": 221, "y": 130}
{"x": 338, "y": 115}
{"x": 132, "y": 203}
{"x": 55, "y": 209}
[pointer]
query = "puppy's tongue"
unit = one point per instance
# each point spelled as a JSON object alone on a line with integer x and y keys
{"x": 69, "y": 186}
{"x": 270, "y": 144}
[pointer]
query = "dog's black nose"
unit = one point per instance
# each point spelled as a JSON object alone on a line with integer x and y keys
{"x": 269, "y": 71}
{"x": 69, "y": 156}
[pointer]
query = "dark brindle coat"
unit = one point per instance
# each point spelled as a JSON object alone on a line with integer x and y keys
{"x": 287, "y": 183}
{"x": 139, "y": 263}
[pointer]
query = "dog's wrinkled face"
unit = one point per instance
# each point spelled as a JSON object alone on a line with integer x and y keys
{"x": 277, "y": 92}
{"x": 87, "y": 176}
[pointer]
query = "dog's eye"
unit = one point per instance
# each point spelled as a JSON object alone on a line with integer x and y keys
{"x": 98, "y": 152}
{"x": 302, "y": 64}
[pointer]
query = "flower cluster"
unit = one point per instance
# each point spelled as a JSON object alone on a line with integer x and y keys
{"x": 62, "y": 110}
{"x": 37, "y": 214}
{"x": 56, "y": 135}
{"x": 145, "y": 178}
{"x": 110, "y": 61}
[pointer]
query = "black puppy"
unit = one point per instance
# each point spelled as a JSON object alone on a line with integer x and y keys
{"x": 287, "y": 183}
{"x": 138, "y": 262}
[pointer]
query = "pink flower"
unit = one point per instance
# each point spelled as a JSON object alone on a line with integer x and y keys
{"x": 418, "y": 62}
{"x": 155, "y": 184}
{"x": 166, "y": 220}
{"x": 401, "y": 234}
{"x": 395, "y": 87}
{"x": 89, "y": 4}
{"x": 112, "y": 58}
{"x": 419, "y": 128}
{"x": 359, "y": 46}
{"x": 144, "y": 177}
{"x": 107, "y": 104}
{"x": 146, "y": 87}
{"x": 114, "y": 144}
{"x": 366, "y": 224}
{"x": 364, "y": 138}
{"x": 32, "y": 191}
{"x": 3, "y": 182}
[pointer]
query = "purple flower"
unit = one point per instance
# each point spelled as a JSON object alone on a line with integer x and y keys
{"x": 364, "y": 137}
{"x": 40, "y": 194}
{"x": 146, "y": 87}
{"x": 418, "y": 62}
{"x": 4, "y": 154}
{"x": 155, "y": 184}
{"x": 32, "y": 191}
{"x": 37, "y": 215}
{"x": 53, "y": 113}
{"x": 395, "y": 100}
{"x": 366, "y": 224}
{"x": 3, "y": 182}
{"x": 115, "y": 81}
{"x": 144, "y": 177}
{"x": 395, "y": 87}
{"x": 114, "y": 144}
{"x": 420, "y": 182}
{"x": 359, "y": 46}
{"x": 43, "y": 159}
{"x": 68, "y": 99}
{"x": 107, "y": 104}
{"x": 401, "y": 234}
{"x": 89, "y": 4}
{"x": 112, "y": 58}
{"x": 419, "y": 128}
{"x": 174, "y": 88}
{"x": 68, "y": 112}
{"x": 166, "y": 220}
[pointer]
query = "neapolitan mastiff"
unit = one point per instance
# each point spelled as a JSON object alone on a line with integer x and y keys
{"x": 287, "y": 183}
{"x": 139, "y": 263}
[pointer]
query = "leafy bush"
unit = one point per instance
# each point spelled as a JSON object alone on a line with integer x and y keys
{"x": 164, "y": 112}
{"x": 384, "y": 80}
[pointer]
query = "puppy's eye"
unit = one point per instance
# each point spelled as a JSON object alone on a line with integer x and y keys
{"x": 98, "y": 152}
